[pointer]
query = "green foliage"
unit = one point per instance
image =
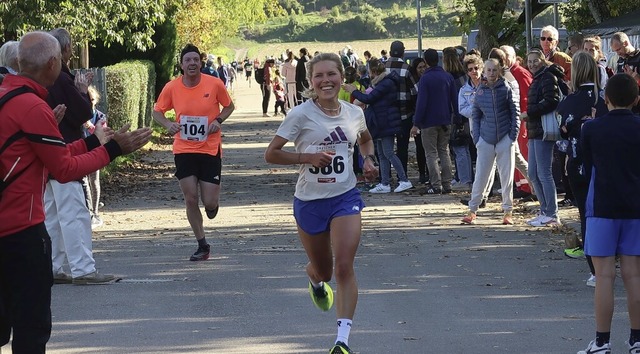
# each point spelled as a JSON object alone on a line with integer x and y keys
{"x": 129, "y": 23}
{"x": 163, "y": 55}
{"x": 577, "y": 14}
{"x": 128, "y": 96}
{"x": 335, "y": 11}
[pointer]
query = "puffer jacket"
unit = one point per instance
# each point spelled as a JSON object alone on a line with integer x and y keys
{"x": 383, "y": 113}
{"x": 543, "y": 97}
{"x": 494, "y": 113}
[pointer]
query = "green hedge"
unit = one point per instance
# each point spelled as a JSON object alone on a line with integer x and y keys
{"x": 130, "y": 93}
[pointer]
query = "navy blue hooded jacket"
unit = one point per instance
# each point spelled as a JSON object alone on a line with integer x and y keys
{"x": 383, "y": 113}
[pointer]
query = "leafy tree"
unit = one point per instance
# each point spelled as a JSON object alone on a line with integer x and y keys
{"x": 584, "y": 13}
{"x": 128, "y": 22}
{"x": 205, "y": 23}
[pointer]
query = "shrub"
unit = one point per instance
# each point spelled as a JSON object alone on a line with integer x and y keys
{"x": 130, "y": 93}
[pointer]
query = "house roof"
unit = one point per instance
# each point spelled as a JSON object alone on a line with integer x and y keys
{"x": 629, "y": 24}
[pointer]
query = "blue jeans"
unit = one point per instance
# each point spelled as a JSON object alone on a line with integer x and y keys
{"x": 541, "y": 175}
{"x": 386, "y": 154}
{"x": 463, "y": 164}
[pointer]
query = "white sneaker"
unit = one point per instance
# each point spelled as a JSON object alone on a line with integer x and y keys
{"x": 403, "y": 186}
{"x": 592, "y": 283}
{"x": 533, "y": 220}
{"x": 545, "y": 221}
{"x": 380, "y": 188}
{"x": 635, "y": 348}
{"x": 594, "y": 349}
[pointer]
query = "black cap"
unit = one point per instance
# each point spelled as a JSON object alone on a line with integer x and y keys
{"x": 397, "y": 49}
{"x": 188, "y": 49}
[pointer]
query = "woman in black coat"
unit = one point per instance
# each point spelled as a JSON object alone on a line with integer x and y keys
{"x": 544, "y": 96}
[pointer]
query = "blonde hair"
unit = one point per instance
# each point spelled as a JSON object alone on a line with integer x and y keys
{"x": 309, "y": 92}
{"x": 584, "y": 69}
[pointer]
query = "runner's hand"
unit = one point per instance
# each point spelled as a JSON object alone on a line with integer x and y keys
{"x": 214, "y": 127}
{"x": 131, "y": 141}
{"x": 173, "y": 128}
{"x": 369, "y": 170}
{"x": 321, "y": 159}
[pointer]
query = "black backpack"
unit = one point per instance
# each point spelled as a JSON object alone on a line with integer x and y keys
{"x": 5, "y": 180}
{"x": 259, "y": 75}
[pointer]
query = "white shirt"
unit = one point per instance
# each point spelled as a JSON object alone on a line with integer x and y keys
{"x": 311, "y": 130}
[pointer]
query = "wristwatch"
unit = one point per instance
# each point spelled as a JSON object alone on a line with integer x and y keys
{"x": 219, "y": 120}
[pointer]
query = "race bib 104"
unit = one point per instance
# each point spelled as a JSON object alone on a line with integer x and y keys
{"x": 336, "y": 171}
{"x": 194, "y": 128}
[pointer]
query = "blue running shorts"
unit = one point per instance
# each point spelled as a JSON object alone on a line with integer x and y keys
{"x": 610, "y": 237}
{"x": 314, "y": 216}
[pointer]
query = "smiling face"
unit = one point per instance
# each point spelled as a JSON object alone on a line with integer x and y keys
{"x": 326, "y": 80}
{"x": 534, "y": 62}
{"x": 421, "y": 68}
{"x": 191, "y": 64}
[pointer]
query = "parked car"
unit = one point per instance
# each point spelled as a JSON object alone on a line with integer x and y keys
{"x": 411, "y": 54}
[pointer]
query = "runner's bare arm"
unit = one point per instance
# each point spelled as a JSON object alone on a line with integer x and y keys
{"x": 369, "y": 168}
{"x": 224, "y": 114}
{"x": 276, "y": 155}
{"x": 172, "y": 127}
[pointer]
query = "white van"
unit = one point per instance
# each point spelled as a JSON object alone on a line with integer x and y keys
{"x": 562, "y": 44}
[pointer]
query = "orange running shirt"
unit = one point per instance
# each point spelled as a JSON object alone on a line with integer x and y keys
{"x": 196, "y": 107}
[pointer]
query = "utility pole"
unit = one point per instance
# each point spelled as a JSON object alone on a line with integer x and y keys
{"x": 419, "y": 21}
{"x": 527, "y": 22}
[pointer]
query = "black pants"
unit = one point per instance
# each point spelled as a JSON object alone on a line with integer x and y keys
{"x": 402, "y": 143}
{"x": 279, "y": 104}
{"x": 579, "y": 186}
{"x": 25, "y": 289}
{"x": 266, "y": 96}
{"x": 421, "y": 158}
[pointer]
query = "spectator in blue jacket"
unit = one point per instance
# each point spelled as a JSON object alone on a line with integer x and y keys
{"x": 383, "y": 121}
{"x": 613, "y": 207}
{"x": 496, "y": 123}
{"x": 437, "y": 103}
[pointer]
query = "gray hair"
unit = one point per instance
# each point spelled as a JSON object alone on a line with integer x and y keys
{"x": 510, "y": 52}
{"x": 35, "y": 50}
{"x": 552, "y": 30}
{"x": 63, "y": 36}
{"x": 9, "y": 55}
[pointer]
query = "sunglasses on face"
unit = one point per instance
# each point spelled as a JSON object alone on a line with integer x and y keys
{"x": 475, "y": 68}
{"x": 548, "y": 39}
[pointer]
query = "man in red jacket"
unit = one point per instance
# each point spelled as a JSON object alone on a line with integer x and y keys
{"x": 37, "y": 149}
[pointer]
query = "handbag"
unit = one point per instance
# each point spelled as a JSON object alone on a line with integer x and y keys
{"x": 551, "y": 126}
{"x": 551, "y": 123}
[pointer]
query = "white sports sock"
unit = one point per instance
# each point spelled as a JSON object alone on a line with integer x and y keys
{"x": 316, "y": 285}
{"x": 344, "y": 327}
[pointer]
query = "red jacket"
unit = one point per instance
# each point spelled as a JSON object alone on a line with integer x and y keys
{"x": 40, "y": 152}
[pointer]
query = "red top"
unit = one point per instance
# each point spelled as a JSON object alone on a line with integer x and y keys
{"x": 41, "y": 152}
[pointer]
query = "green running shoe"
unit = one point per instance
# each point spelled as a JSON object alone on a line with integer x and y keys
{"x": 577, "y": 252}
{"x": 340, "y": 348}
{"x": 323, "y": 297}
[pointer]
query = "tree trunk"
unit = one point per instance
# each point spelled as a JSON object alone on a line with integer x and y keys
{"x": 599, "y": 10}
{"x": 490, "y": 13}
